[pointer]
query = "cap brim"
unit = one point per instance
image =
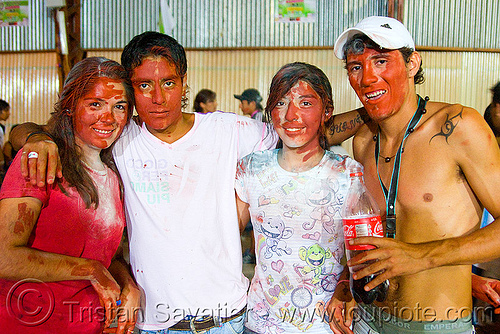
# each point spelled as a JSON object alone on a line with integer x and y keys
{"x": 239, "y": 97}
{"x": 338, "y": 49}
{"x": 382, "y": 41}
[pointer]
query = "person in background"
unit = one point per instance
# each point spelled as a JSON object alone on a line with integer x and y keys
{"x": 293, "y": 196}
{"x": 62, "y": 240}
{"x": 205, "y": 101}
{"x": 489, "y": 272}
{"x": 448, "y": 163}
{"x": 492, "y": 112}
{"x": 8, "y": 154}
{"x": 250, "y": 103}
{"x": 8, "y": 151}
{"x": 4, "y": 115}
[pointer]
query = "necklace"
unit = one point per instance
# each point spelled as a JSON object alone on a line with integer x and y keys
{"x": 409, "y": 130}
{"x": 390, "y": 194}
{"x": 388, "y": 159}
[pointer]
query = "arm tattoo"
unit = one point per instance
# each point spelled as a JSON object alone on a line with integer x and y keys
{"x": 448, "y": 127}
{"x": 347, "y": 125}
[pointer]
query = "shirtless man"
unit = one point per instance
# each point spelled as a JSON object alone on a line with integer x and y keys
{"x": 449, "y": 169}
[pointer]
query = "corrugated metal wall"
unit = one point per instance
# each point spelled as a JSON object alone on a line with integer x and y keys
{"x": 29, "y": 82}
{"x": 459, "y": 23}
{"x": 108, "y": 24}
{"x": 242, "y": 23}
{"x": 39, "y": 35}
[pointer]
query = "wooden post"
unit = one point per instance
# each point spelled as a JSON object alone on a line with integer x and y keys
{"x": 71, "y": 34}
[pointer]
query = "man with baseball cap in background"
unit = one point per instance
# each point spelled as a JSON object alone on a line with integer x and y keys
{"x": 431, "y": 167}
{"x": 250, "y": 105}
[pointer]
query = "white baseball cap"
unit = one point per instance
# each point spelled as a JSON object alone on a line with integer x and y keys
{"x": 386, "y": 32}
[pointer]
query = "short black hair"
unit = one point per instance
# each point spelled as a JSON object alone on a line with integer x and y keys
{"x": 496, "y": 93}
{"x": 155, "y": 44}
{"x": 358, "y": 43}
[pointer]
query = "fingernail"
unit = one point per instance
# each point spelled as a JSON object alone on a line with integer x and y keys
{"x": 118, "y": 302}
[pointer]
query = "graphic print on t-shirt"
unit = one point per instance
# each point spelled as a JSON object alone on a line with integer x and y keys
{"x": 299, "y": 240}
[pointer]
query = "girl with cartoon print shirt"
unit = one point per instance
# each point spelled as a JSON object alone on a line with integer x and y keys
{"x": 293, "y": 196}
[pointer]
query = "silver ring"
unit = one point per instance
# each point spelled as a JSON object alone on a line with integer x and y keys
{"x": 32, "y": 155}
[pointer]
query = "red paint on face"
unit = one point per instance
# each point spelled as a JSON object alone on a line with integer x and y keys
{"x": 101, "y": 114}
{"x": 25, "y": 218}
{"x": 158, "y": 91}
{"x": 298, "y": 117}
{"x": 381, "y": 81}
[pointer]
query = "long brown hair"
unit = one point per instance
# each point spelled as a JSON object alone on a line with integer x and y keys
{"x": 288, "y": 76}
{"x": 81, "y": 79}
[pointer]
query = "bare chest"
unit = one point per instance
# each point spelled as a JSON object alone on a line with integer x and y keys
{"x": 433, "y": 198}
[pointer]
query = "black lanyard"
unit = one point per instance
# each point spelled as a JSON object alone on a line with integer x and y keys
{"x": 390, "y": 195}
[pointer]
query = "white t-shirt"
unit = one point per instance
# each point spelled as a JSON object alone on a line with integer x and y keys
{"x": 185, "y": 247}
{"x": 298, "y": 240}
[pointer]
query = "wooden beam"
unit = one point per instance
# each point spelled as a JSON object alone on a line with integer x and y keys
{"x": 68, "y": 39}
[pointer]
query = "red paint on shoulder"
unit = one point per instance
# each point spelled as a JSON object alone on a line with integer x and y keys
{"x": 25, "y": 218}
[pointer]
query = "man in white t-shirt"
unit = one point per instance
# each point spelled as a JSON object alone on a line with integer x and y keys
{"x": 178, "y": 171}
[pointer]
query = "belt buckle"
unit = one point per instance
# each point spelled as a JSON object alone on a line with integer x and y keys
{"x": 191, "y": 325}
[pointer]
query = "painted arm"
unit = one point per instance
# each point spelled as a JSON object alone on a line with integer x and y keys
{"x": 340, "y": 308}
{"x": 477, "y": 155}
{"x": 345, "y": 125}
{"x": 18, "y": 218}
{"x": 48, "y": 165}
{"x": 130, "y": 294}
{"x": 487, "y": 290}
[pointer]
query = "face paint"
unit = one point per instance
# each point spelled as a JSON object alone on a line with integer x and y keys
{"x": 381, "y": 81}
{"x": 158, "y": 91}
{"x": 298, "y": 117}
{"x": 100, "y": 115}
{"x": 25, "y": 218}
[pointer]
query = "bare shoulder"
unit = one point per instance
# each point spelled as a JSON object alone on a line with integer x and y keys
{"x": 454, "y": 121}
{"x": 363, "y": 140}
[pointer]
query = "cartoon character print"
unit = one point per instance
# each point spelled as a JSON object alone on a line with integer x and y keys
{"x": 326, "y": 202}
{"x": 315, "y": 256}
{"x": 263, "y": 319}
{"x": 274, "y": 230}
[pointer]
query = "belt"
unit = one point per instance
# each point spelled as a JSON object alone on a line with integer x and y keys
{"x": 205, "y": 323}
